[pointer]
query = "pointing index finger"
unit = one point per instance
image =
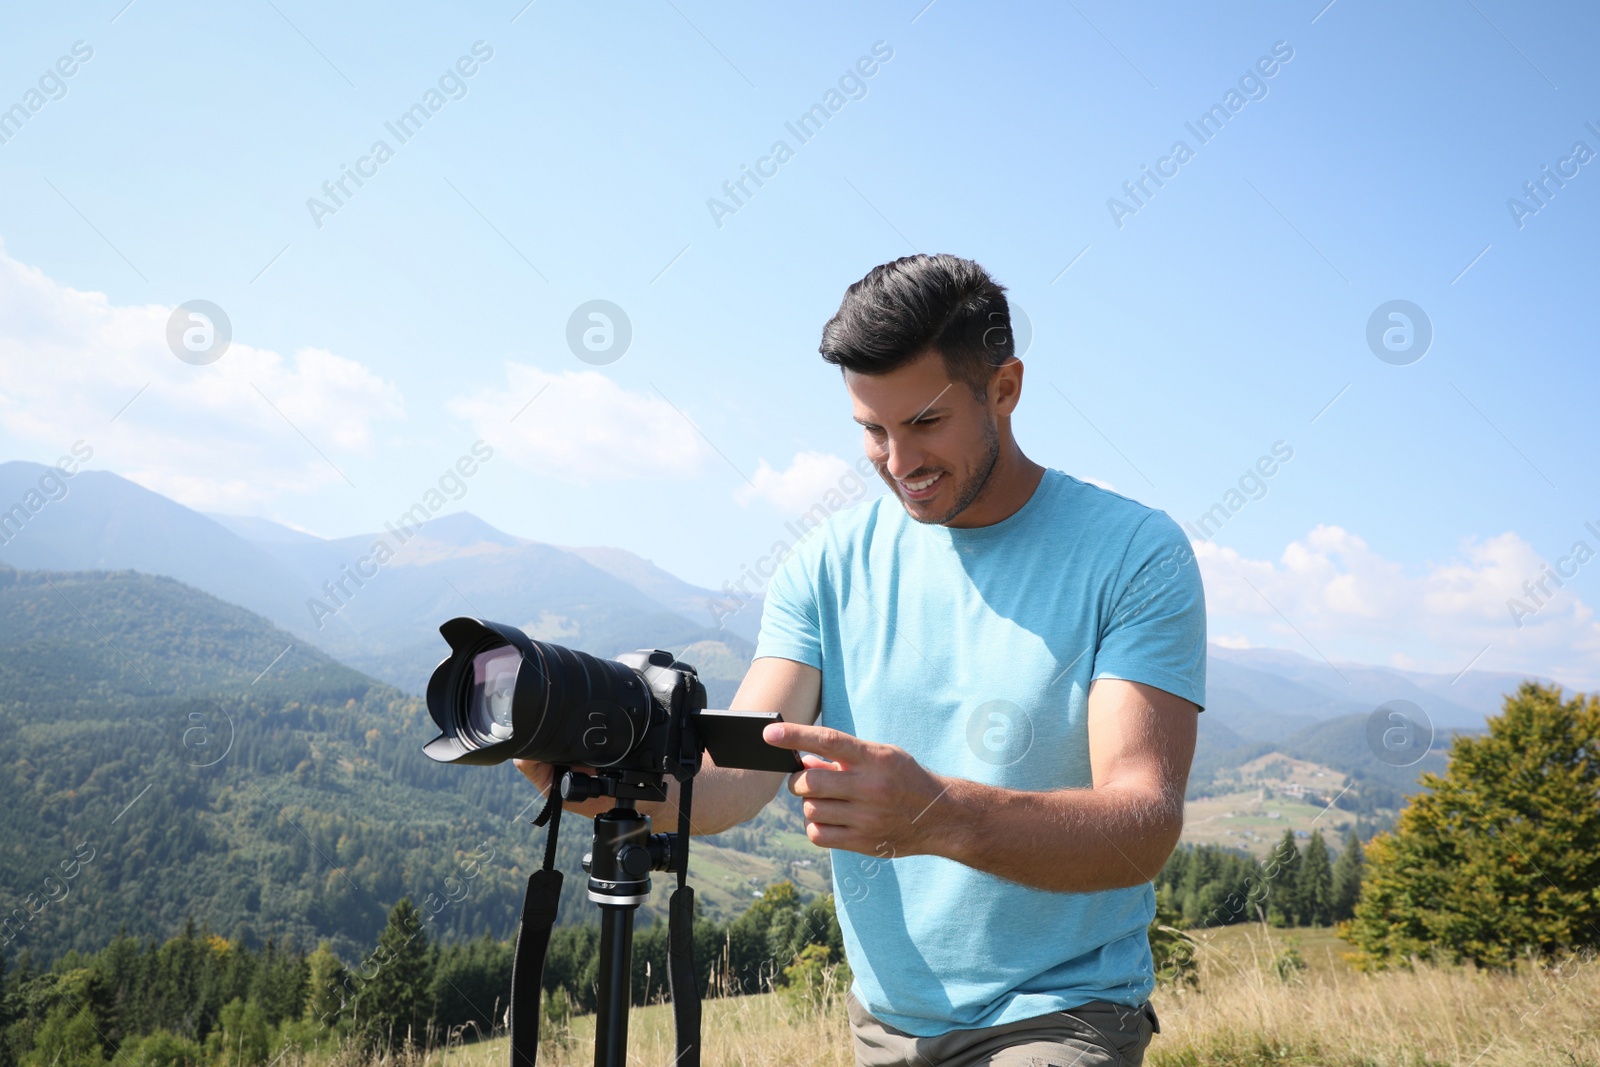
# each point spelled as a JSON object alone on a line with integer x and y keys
{"x": 823, "y": 740}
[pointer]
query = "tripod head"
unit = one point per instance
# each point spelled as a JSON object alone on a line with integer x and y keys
{"x": 624, "y": 851}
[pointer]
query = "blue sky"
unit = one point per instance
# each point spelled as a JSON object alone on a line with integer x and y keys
{"x": 576, "y": 163}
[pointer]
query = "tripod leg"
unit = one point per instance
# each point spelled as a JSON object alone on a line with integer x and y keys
{"x": 616, "y": 986}
{"x": 680, "y": 972}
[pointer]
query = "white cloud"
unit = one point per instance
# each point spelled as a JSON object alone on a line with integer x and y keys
{"x": 206, "y": 436}
{"x": 807, "y": 481}
{"x": 1350, "y": 603}
{"x": 582, "y": 427}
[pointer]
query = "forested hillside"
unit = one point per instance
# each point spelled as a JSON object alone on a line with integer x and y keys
{"x": 169, "y": 756}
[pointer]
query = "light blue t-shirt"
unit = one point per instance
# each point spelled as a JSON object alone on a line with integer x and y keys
{"x": 973, "y": 650}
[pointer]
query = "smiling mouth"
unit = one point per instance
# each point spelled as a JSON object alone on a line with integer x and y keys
{"x": 921, "y": 488}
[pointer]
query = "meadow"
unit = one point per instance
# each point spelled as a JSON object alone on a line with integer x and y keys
{"x": 1251, "y": 1009}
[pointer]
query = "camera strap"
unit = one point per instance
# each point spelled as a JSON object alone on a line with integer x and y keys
{"x": 539, "y": 905}
{"x": 680, "y": 943}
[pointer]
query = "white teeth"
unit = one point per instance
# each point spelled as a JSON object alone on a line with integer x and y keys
{"x": 917, "y": 487}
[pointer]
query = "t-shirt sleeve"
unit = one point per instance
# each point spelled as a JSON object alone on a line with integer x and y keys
{"x": 1156, "y": 631}
{"x": 790, "y": 627}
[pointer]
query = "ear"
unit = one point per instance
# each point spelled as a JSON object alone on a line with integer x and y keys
{"x": 1005, "y": 387}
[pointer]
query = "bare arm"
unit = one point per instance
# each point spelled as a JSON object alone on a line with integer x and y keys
{"x": 875, "y": 799}
{"x": 725, "y": 796}
{"x": 1118, "y": 833}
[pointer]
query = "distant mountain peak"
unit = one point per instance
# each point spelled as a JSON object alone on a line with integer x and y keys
{"x": 463, "y": 529}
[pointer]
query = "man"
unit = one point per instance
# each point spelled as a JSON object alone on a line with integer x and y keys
{"x": 994, "y": 673}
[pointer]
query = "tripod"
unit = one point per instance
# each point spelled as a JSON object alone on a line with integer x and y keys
{"x": 623, "y": 852}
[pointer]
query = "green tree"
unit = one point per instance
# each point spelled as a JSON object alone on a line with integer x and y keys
{"x": 243, "y": 1039}
{"x": 1283, "y": 872}
{"x": 159, "y": 1049}
{"x": 1347, "y": 872}
{"x": 1499, "y": 857}
{"x": 1212, "y": 885}
{"x": 471, "y": 984}
{"x": 117, "y": 988}
{"x": 555, "y": 1021}
{"x": 324, "y": 985}
{"x": 1314, "y": 884}
{"x": 393, "y": 998}
{"x": 68, "y": 1038}
{"x": 819, "y": 925}
{"x": 1289, "y": 963}
{"x": 761, "y": 941}
{"x": 279, "y": 984}
{"x": 811, "y": 981}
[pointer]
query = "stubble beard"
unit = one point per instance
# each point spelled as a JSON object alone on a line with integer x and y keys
{"x": 968, "y": 491}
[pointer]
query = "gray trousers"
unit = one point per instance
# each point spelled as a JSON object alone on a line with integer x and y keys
{"x": 1096, "y": 1034}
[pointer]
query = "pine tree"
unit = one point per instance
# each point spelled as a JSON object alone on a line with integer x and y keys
{"x": 1314, "y": 884}
{"x": 393, "y": 998}
{"x": 1347, "y": 871}
{"x": 1283, "y": 872}
{"x": 1197, "y": 872}
{"x": 278, "y": 983}
{"x": 1501, "y": 855}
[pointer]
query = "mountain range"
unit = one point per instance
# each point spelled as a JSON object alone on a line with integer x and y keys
{"x": 380, "y": 618}
{"x": 602, "y": 600}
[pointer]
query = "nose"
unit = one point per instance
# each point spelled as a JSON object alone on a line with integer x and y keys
{"x": 903, "y": 457}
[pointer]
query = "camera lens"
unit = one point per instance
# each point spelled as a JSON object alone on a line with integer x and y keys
{"x": 593, "y": 710}
{"x": 494, "y": 682}
{"x": 503, "y": 695}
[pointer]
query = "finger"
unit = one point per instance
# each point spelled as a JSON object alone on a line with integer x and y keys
{"x": 823, "y": 782}
{"x": 840, "y": 837}
{"x": 536, "y": 772}
{"x": 823, "y": 740}
{"x": 807, "y": 761}
{"x": 827, "y": 812}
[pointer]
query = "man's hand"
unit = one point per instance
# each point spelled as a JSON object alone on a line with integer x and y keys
{"x": 860, "y": 796}
{"x": 539, "y": 774}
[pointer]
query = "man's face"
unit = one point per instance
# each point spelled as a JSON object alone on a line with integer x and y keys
{"x": 931, "y": 440}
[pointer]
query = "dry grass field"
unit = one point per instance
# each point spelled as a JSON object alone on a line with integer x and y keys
{"x": 1329, "y": 1014}
{"x": 1243, "y": 1015}
{"x": 770, "y": 1030}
